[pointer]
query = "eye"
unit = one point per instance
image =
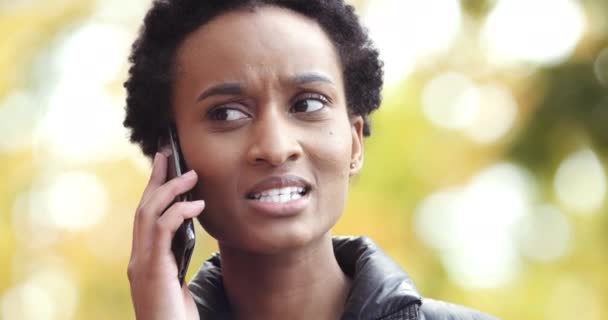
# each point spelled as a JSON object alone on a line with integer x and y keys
{"x": 310, "y": 103}
{"x": 226, "y": 114}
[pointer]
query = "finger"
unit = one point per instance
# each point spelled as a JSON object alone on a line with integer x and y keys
{"x": 158, "y": 202}
{"x": 161, "y": 198}
{"x": 158, "y": 175}
{"x": 171, "y": 220}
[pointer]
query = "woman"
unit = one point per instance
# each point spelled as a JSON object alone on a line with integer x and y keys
{"x": 270, "y": 100}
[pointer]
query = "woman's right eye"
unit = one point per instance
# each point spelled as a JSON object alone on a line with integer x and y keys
{"x": 227, "y": 114}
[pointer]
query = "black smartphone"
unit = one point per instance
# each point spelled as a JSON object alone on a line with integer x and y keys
{"x": 184, "y": 239}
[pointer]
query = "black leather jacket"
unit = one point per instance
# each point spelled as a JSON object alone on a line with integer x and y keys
{"x": 380, "y": 289}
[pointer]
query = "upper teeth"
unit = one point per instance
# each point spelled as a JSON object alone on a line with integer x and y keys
{"x": 280, "y": 195}
{"x": 277, "y": 192}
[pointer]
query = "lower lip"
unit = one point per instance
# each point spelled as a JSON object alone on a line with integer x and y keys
{"x": 281, "y": 209}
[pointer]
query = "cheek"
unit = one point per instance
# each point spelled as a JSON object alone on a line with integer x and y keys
{"x": 329, "y": 156}
{"x": 331, "y": 150}
{"x": 217, "y": 171}
{"x": 214, "y": 163}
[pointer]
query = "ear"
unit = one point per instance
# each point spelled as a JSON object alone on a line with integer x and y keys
{"x": 356, "y": 158}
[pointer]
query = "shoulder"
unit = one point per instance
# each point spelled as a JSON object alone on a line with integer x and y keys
{"x": 381, "y": 290}
{"x": 439, "y": 310}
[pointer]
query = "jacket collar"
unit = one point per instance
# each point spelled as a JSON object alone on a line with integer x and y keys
{"x": 379, "y": 286}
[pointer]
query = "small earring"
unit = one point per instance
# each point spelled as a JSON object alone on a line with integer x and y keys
{"x": 353, "y": 165}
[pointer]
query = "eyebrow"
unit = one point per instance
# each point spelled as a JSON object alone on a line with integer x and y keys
{"x": 230, "y": 88}
{"x": 304, "y": 78}
{"x": 234, "y": 88}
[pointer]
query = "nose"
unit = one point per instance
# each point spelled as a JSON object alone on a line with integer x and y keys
{"x": 273, "y": 141}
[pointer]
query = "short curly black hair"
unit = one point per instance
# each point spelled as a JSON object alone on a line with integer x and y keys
{"x": 169, "y": 22}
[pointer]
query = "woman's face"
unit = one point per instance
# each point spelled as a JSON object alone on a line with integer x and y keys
{"x": 259, "y": 104}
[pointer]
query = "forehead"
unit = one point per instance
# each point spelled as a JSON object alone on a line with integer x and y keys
{"x": 266, "y": 41}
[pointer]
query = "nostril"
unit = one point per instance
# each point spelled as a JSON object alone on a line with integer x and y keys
{"x": 273, "y": 149}
{"x": 262, "y": 161}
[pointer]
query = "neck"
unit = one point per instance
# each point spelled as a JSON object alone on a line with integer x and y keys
{"x": 304, "y": 283}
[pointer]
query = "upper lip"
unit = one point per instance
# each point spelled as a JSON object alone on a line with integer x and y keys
{"x": 277, "y": 182}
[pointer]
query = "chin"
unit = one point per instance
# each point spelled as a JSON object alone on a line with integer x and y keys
{"x": 271, "y": 240}
{"x": 245, "y": 230}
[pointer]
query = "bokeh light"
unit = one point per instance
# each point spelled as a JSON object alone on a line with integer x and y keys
{"x": 77, "y": 59}
{"x": 601, "y": 67}
{"x": 545, "y": 235}
{"x": 451, "y": 101}
{"x": 90, "y": 110}
{"x": 483, "y": 113}
{"x": 473, "y": 227}
{"x": 580, "y": 182}
{"x": 31, "y": 224}
{"x": 540, "y": 31}
{"x": 495, "y": 116}
{"x": 425, "y": 27}
{"x": 76, "y": 200}
{"x": 16, "y": 114}
{"x": 48, "y": 294}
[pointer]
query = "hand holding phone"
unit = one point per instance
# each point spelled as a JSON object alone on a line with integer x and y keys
{"x": 184, "y": 239}
{"x": 163, "y": 239}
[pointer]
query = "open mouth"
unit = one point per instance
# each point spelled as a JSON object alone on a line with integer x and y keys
{"x": 280, "y": 195}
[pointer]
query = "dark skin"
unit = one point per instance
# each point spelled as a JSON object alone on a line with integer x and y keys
{"x": 257, "y": 94}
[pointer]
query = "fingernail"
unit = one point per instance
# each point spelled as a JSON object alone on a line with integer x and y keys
{"x": 189, "y": 175}
{"x": 165, "y": 151}
{"x": 198, "y": 203}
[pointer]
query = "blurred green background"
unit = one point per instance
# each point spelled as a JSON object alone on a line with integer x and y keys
{"x": 485, "y": 175}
